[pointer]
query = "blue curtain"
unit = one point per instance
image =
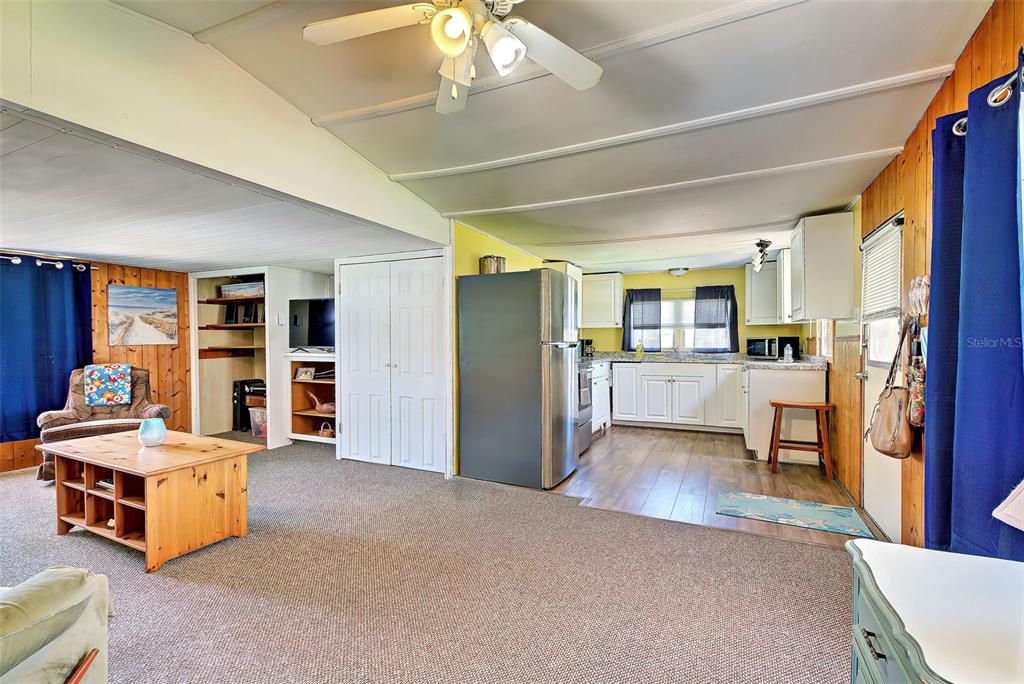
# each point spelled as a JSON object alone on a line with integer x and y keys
{"x": 949, "y": 145}
{"x": 45, "y": 333}
{"x": 988, "y": 443}
{"x": 641, "y": 319}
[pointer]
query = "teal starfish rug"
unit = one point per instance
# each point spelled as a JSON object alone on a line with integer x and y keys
{"x": 813, "y": 516}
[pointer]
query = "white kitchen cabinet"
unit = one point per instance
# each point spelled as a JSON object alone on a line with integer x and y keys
{"x": 655, "y": 398}
{"x": 765, "y": 385}
{"x": 689, "y": 393}
{"x": 745, "y": 406}
{"x": 764, "y": 302}
{"x": 575, "y": 274}
{"x": 672, "y": 393}
{"x": 626, "y": 391}
{"x": 603, "y": 295}
{"x": 729, "y": 397}
{"x": 784, "y": 270}
{"x": 822, "y": 268}
{"x": 601, "y": 396}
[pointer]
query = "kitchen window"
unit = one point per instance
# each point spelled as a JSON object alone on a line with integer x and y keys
{"x": 677, "y": 324}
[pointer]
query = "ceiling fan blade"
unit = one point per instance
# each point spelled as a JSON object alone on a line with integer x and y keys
{"x": 446, "y": 104}
{"x": 554, "y": 55}
{"x": 365, "y": 23}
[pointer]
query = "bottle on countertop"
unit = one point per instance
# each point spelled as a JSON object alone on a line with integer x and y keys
{"x": 787, "y": 354}
{"x": 639, "y": 351}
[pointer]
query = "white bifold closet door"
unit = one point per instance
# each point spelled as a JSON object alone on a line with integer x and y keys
{"x": 392, "y": 365}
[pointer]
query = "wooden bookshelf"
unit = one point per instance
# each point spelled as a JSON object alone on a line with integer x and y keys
{"x": 232, "y": 326}
{"x": 220, "y": 301}
{"x": 306, "y": 422}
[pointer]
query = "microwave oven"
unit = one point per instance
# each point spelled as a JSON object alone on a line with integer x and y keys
{"x": 763, "y": 347}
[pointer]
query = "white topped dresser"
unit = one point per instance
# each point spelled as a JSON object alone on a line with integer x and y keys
{"x": 928, "y": 616}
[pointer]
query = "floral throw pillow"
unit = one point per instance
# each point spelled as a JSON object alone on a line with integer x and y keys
{"x": 108, "y": 384}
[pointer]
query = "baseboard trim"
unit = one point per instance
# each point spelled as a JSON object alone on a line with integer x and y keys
{"x": 675, "y": 426}
{"x": 19, "y": 454}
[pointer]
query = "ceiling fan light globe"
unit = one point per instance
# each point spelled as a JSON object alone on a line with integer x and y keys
{"x": 451, "y": 30}
{"x": 505, "y": 50}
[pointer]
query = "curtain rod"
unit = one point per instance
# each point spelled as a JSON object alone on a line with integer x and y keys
{"x": 46, "y": 259}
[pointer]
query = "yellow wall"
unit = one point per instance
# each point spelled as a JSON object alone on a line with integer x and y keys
{"x": 470, "y": 245}
{"x": 610, "y": 339}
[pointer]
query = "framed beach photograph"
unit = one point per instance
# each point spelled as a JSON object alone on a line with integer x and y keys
{"x": 141, "y": 315}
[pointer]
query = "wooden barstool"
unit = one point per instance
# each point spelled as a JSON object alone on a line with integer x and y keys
{"x": 821, "y": 411}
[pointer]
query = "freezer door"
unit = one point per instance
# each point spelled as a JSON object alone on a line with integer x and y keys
{"x": 557, "y": 306}
{"x": 558, "y": 415}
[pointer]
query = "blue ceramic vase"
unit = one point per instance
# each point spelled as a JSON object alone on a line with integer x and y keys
{"x": 152, "y": 432}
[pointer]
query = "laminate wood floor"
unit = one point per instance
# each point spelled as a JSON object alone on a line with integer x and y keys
{"x": 677, "y": 475}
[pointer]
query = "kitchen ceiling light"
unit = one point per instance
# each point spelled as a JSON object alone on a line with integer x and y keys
{"x": 506, "y": 51}
{"x": 451, "y": 30}
{"x": 760, "y": 255}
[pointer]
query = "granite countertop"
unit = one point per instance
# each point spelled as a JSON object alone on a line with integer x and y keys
{"x": 805, "y": 362}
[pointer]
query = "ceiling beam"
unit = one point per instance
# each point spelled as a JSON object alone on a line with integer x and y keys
{"x": 662, "y": 34}
{"x": 782, "y": 224}
{"x": 887, "y": 153}
{"x": 759, "y": 111}
{"x": 244, "y": 22}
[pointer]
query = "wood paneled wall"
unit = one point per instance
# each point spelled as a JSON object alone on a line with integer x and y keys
{"x": 906, "y": 183}
{"x": 845, "y": 395}
{"x": 170, "y": 366}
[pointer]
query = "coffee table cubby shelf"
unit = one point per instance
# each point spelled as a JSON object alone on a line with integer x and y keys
{"x": 81, "y": 502}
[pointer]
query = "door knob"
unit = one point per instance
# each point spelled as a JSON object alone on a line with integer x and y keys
{"x": 863, "y": 375}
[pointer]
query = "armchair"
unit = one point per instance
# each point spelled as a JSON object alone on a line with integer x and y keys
{"x": 78, "y": 419}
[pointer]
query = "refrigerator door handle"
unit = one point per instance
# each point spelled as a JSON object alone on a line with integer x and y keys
{"x": 561, "y": 345}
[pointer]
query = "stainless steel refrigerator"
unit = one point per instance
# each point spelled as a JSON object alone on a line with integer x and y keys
{"x": 517, "y": 377}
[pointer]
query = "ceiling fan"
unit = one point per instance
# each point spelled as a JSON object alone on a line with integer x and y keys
{"x": 457, "y": 28}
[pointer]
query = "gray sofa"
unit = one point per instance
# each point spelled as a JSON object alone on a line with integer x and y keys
{"x": 52, "y": 625}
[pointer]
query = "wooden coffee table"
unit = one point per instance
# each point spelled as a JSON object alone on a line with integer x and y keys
{"x": 168, "y": 500}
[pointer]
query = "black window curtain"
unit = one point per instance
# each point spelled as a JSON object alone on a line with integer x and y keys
{"x": 45, "y": 333}
{"x": 715, "y": 320}
{"x": 641, "y": 319}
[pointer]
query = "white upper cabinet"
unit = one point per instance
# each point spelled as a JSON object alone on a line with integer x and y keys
{"x": 602, "y": 300}
{"x": 764, "y": 301}
{"x": 575, "y": 274}
{"x": 784, "y": 270}
{"x": 822, "y": 271}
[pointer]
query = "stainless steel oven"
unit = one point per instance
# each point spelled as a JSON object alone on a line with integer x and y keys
{"x": 584, "y": 408}
{"x": 763, "y": 347}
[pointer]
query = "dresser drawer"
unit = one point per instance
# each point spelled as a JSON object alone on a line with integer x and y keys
{"x": 879, "y": 654}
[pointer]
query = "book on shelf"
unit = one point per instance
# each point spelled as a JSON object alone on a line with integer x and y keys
{"x": 106, "y": 483}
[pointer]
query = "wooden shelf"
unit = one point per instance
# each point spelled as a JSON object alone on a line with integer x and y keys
{"x": 78, "y": 484}
{"x": 74, "y": 519}
{"x": 232, "y": 326}
{"x": 313, "y": 414}
{"x": 135, "y": 539}
{"x": 312, "y": 437}
{"x": 133, "y": 501}
{"x": 316, "y": 381}
{"x": 102, "y": 493}
{"x": 232, "y": 300}
{"x": 226, "y": 351}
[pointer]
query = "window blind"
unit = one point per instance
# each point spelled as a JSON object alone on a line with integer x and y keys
{"x": 882, "y": 271}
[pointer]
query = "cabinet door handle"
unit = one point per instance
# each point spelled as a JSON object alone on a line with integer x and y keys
{"x": 877, "y": 655}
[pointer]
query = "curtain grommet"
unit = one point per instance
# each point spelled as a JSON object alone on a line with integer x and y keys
{"x": 960, "y": 127}
{"x": 1001, "y": 94}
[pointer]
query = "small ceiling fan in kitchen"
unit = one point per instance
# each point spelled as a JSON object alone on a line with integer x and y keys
{"x": 458, "y": 27}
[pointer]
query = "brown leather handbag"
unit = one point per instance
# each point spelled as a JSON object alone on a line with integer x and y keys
{"x": 890, "y": 430}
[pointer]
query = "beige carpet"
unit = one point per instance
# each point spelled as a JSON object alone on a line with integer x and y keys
{"x": 362, "y": 573}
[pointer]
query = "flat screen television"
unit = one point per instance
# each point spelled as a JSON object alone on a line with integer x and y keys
{"x": 311, "y": 323}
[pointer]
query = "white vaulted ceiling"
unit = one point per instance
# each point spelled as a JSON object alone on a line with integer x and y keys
{"x": 715, "y": 122}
